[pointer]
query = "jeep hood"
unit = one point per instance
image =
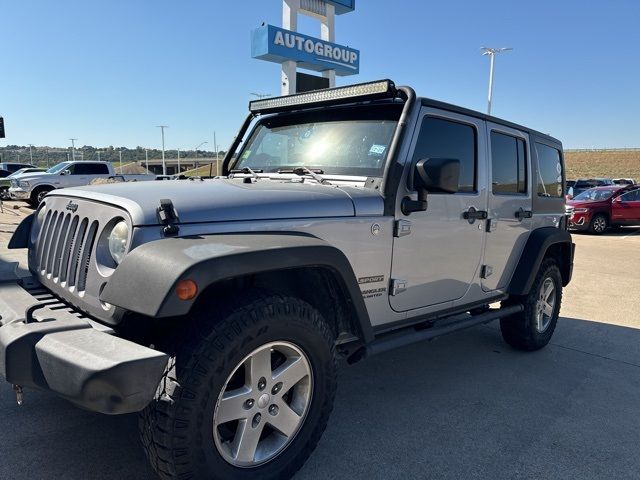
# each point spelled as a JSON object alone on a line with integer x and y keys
{"x": 222, "y": 200}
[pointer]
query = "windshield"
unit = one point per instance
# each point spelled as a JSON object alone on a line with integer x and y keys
{"x": 352, "y": 142}
{"x": 59, "y": 167}
{"x": 595, "y": 195}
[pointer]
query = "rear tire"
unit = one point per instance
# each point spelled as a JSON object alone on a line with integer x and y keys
{"x": 186, "y": 431}
{"x": 599, "y": 224}
{"x": 532, "y": 328}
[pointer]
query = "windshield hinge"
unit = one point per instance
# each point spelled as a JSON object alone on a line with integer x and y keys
{"x": 168, "y": 217}
{"x": 398, "y": 285}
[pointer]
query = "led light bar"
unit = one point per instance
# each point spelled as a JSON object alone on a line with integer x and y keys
{"x": 370, "y": 90}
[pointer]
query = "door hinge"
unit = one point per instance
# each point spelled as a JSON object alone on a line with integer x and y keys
{"x": 398, "y": 286}
{"x": 402, "y": 228}
{"x": 486, "y": 271}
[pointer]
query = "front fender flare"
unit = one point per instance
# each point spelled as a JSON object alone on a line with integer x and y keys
{"x": 145, "y": 280}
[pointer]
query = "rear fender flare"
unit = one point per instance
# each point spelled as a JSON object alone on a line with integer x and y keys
{"x": 539, "y": 243}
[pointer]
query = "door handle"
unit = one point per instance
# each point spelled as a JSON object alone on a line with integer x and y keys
{"x": 521, "y": 214}
{"x": 472, "y": 215}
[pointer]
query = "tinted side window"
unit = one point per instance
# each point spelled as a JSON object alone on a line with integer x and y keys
{"x": 446, "y": 139}
{"x": 632, "y": 196}
{"x": 508, "y": 164}
{"x": 549, "y": 171}
{"x": 90, "y": 169}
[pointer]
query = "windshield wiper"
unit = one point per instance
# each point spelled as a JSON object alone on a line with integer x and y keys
{"x": 315, "y": 173}
{"x": 248, "y": 170}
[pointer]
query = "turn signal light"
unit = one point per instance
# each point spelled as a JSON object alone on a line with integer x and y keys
{"x": 186, "y": 289}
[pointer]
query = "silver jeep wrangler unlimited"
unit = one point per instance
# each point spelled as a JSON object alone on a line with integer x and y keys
{"x": 346, "y": 222}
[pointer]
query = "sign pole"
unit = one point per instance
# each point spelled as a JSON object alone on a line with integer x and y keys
{"x": 328, "y": 33}
{"x": 290, "y": 10}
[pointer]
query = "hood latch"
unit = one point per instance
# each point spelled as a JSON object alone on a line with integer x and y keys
{"x": 168, "y": 217}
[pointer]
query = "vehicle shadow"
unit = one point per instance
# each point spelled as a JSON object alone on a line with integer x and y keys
{"x": 462, "y": 406}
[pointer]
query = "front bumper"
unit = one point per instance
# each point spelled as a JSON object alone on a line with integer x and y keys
{"x": 45, "y": 344}
{"x": 19, "y": 193}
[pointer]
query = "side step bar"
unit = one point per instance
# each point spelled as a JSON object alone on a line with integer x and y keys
{"x": 413, "y": 335}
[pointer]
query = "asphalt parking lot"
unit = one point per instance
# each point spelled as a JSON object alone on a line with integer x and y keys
{"x": 462, "y": 407}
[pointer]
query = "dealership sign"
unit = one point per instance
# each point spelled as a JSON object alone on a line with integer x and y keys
{"x": 279, "y": 45}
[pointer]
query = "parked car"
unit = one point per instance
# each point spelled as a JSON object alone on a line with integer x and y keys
{"x": 5, "y": 182}
{"x": 599, "y": 208}
{"x": 624, "y": 181}
{"x": 34, "y": 186}
{"x": 14, "y": 167}
{"x": 353, "y": 221}
{"x": 583, "y": 184}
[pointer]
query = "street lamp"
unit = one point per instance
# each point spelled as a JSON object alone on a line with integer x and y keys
{"x": 120, "y": 152}
{"x": 196, "y": 161}
{"x": 164, "y": 165}
{"x": 73, "y": 148}
{"x": 30, "y": 154}
{"x": 492, "y": 52}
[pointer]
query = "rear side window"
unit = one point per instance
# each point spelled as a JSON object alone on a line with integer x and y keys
{"x": 446, "y": 139}
{"x": 550, "y": 171}
{"x": 90, "y": 169}
{"x": 508, "y": 164}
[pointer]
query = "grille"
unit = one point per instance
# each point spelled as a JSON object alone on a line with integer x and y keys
{"x": 64, "y": 248}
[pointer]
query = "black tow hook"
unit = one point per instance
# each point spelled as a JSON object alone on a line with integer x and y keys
{"x": 19, "y": 394}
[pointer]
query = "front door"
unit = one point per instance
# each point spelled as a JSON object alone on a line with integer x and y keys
{"x": 438, "y": 261}
{"x": 510, "y": 213}
{"x": 625, "y": 209}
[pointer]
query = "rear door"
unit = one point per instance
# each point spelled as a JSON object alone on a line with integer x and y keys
{"x": 510, "y": 213}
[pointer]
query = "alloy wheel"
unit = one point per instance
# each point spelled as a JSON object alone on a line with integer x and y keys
{"x": 263, "y": 404}
{"x": 545, "y": 305}
{"x": 599, "y": 224}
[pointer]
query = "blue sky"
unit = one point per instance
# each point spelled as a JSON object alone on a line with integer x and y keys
{"x": 107, "y": 72}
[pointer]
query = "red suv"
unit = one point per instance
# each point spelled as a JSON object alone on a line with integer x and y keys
{"x": 598, "y": 208}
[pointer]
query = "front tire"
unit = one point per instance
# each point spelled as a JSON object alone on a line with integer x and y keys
{"x": 249, "y": 398}
{"x": 37, "y": 195}
{"x": 532, "y": 328}
{"x": 599, "y": 224}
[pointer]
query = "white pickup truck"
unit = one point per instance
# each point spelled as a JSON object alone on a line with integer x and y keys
{"x": 33, "y": 186}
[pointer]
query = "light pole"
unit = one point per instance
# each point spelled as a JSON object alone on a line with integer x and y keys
{"x": 196, "y": 161}
{"x": 146, "y": 159}
{"x": 164, "y": 165}
{"x": 178, "y": 161}
{"x": 30, "y": 154}
{"x": 98, "y": 152}
{"x": 492, "y": 52}
{"x": 120, "y": 152}
{"x": 73, "y": 148}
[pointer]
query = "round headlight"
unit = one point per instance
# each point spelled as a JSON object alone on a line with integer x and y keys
{"x": 118, "y": 239}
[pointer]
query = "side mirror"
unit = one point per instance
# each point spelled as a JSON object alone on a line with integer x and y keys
{"x": 66, "y": 172}
{"x": 432, "y": 175}
{"x": 437, "y": 175}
